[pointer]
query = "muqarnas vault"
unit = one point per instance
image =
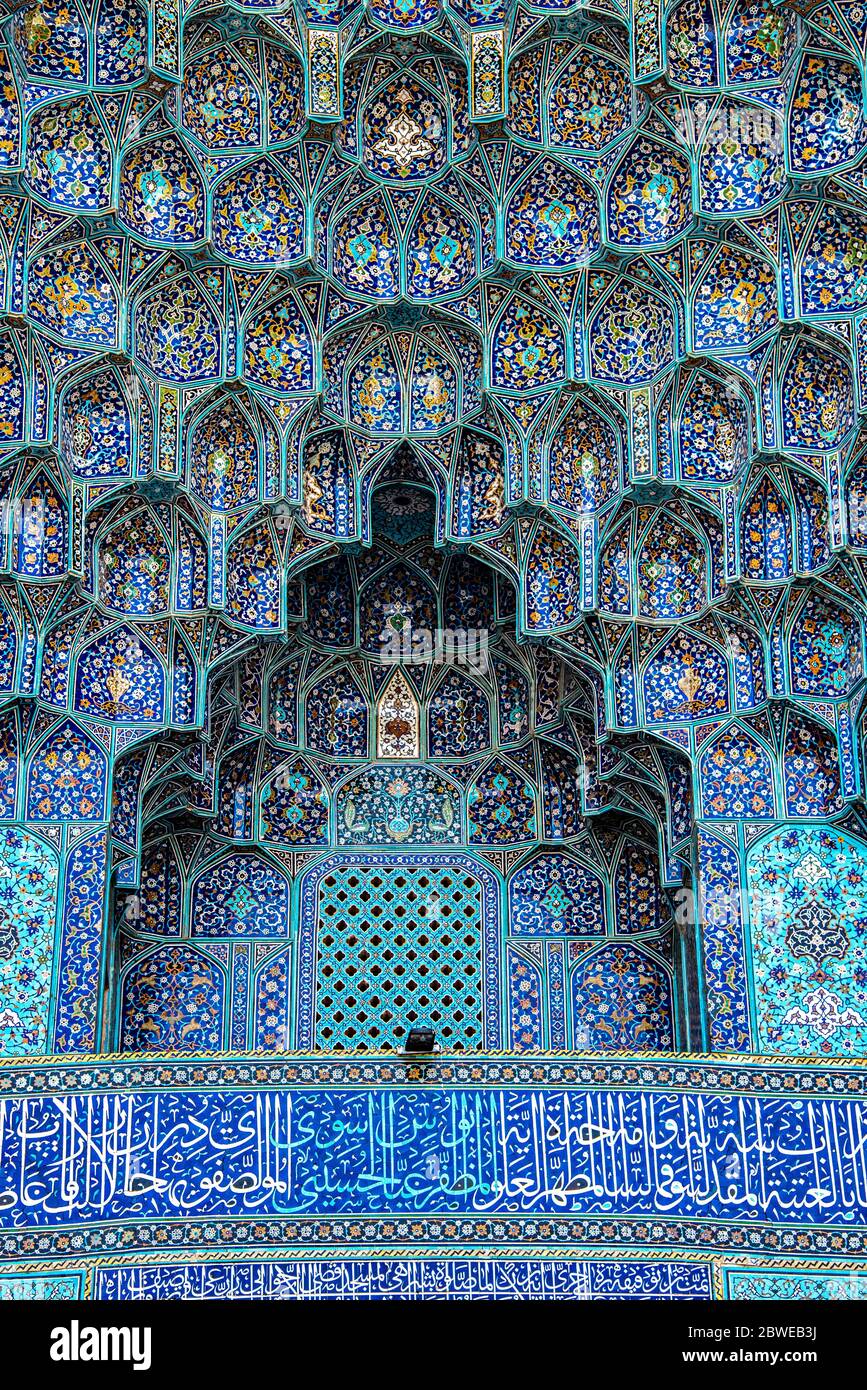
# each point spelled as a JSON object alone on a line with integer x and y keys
{"x": 327, "y": 331}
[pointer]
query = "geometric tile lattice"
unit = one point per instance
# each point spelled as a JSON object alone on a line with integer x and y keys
{"x": 388, "y": 942}
{"x": 398, "y": 949}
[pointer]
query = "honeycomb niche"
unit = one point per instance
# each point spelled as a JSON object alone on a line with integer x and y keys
{"x": 433, "y": 582}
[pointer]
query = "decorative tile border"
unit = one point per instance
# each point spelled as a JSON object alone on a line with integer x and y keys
{"x": 667, "y": 1155}
{"x": 441, "y": 1273}
{"x": 726, "y": 1075}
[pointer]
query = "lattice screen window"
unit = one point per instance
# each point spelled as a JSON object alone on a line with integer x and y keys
{"x": 397, "y": 948}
